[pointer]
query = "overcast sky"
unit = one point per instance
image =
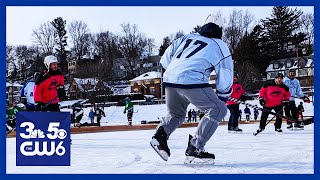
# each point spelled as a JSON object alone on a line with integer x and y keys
{"x": 154, "y": 21}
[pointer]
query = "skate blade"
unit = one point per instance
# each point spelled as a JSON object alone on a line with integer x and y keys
{"x": 297, "y": 129}
{"x": 154, "y": 144}
{"x": 235, "y": 132}
{"x": 193, "y": 160}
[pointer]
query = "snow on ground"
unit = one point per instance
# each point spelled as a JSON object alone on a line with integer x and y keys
{"x": 129, "y": 152}
{"x": 115, "y": 115}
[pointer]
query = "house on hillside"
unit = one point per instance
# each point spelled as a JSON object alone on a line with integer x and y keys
{"x": 304, "y": 67}
{"x": 85, "y": 88}
{"x": 143, "y": 65}
{"x": 147, "y": 84}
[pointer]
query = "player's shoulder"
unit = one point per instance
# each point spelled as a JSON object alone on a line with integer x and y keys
{"x": 284, "y": 86}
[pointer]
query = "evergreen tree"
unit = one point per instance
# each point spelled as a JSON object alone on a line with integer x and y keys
{"x": 165, "y": 44}
{"x": 251, "y": 49}
{"x": 61, "y": 42}
{"x": 281, "y": 31}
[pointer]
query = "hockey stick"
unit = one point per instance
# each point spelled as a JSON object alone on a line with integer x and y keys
{"x": 12, "y": 129}
{"x": 262, "y": 109}
{"x": 256, "y": 133}
{"x": 302, "y": 99}
{"x": 46, "y": 105}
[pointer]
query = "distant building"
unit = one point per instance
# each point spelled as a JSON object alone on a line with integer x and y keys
{"x": 12, "y": 93}
{"x": 147, "y": 84}
{"x": 212, "y": 79}
{"x": 304, "y": 70}
{"x": 72, "y": 66}
{"x": 84, "y": 88}
{"x": 121, "y": 89}
{"x": 143, "y": 64}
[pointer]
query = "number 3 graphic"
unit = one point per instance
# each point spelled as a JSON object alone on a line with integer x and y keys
{"x": 28, "y": 130}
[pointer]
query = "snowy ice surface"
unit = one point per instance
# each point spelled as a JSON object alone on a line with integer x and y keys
{"x": 129, "y": 152}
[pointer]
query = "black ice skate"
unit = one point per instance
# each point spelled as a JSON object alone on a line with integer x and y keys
{"x": 298, "y": 127}
{"x": 196, "y": 156}
{"x": 159, "y": 143}
{"x": 258, "y": 131}
{"x": 289, "y": 127}
{"x": 235, "y": 130}
{"x": 278, "y": 130}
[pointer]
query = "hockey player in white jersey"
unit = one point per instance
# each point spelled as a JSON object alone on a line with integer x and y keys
{"x": 295, "y": 90}
{"x": 26, "y": 93}
{"x": 188, "y": 62}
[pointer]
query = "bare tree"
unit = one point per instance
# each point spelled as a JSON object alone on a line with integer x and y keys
{"x": 176, "y": 35}
{"x": 25, "y": 59}
{"x": 307, "y": 27}
{"x": 78, "y": 31}
{"x": 9, "y": 54}
{"x": 150, "y": 46}
{"x": 247, "y": 20}
{"x": 105, "y": 44}
{"x": 248, "y": 74}
{"x": 44, "y": 37}
{"x": 10, "y": 64}
{"x": 131, "y": 46}
{"x": 238, "y": 25}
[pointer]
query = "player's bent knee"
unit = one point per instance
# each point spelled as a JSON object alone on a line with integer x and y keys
{"x": 217, "y": 114}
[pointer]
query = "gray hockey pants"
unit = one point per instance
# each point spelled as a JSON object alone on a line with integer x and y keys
{"x": 206, "y": 100}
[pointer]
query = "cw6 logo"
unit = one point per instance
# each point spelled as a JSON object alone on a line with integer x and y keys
{"x": 31, "y": 148}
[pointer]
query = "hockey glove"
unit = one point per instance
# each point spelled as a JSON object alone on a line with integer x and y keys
{"x": 39, "y": 105}
{"x": 285, "y": 104}
{"x": 224, "y": 96}
{"x": 306, "y": 99}
{"x": 243, "y": 97}
{"x": 262, "y": 102}
{"x": 61, "y": 92}
{"x": 23, "y": 100}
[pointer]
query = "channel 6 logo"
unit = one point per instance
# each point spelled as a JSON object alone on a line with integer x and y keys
{"x": 43, "y": 139}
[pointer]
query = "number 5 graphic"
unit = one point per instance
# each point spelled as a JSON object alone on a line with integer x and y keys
{"x": 53, "y": 127}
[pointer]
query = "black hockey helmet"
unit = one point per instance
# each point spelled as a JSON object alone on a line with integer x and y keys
{"x": 211, "y": 30}
{"x": 279, "y": 75}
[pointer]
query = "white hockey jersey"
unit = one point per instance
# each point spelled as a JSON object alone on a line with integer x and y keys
{"x": 294, "y": 87}
{"x": 190, "y": 59}
{"x": 27, "y": 91}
